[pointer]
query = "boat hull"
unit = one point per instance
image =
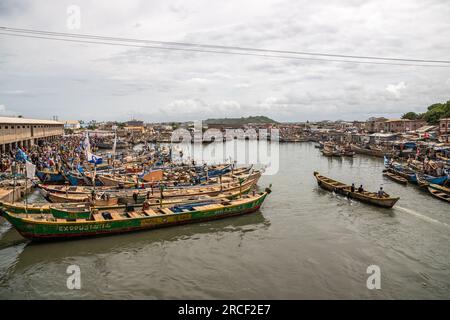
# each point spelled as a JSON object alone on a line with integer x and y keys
{"x": 439, "y": 194}
{"x": 395, "y": 178}
{"x": 368, "y": 152}
{"x": 41, "y": 231}
{"x": 50, "y": 177}
{"x": 335, "y": 186}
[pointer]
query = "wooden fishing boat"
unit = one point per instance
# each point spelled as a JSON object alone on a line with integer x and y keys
{"x": 440, "y": 188}
{"x": 77, "y": 209}
{"x": 115, "y": 181}
{"x": 367, "y": 197}
{"x": 48, "y": 176}
{"x": 439, "y": 194}
{"x": 99, "y": 200}
{"x": 395, "y": 177}
{"x": 125, "y": 196}
{"x": 348, "y": 153}
{"x": 425, "y": 180}
{"x": 73, "y": 189}
{"x": 241, "y": 173}
{"x": 32, "y": 208}
{"x": 404, "y": 172}
{"x": 83, "y": 210}
{"x": 374, "y": 152}
{"x": 331, "y": 152}
{"x": 107, "y": 222}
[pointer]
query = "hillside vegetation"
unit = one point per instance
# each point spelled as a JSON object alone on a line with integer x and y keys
{"x": 242, "y": 120}
{"x": 433, "y": 114}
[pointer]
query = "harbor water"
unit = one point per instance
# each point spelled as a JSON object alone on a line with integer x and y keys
{"x": 304, "y": 243}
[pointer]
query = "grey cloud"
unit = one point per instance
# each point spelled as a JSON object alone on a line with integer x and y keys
{"x": 107, "y": 82}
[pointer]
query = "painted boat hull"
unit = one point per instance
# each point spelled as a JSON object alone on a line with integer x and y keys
{"x": 395, "y": 178}
{"x": 61, "y": 230}
{"x": 440, "y": 188}
{"x": 368, "y": 152}
{"x": 410, "y": 176}
{"x": 50, "y": 177}
{"x": 439, "y": 194}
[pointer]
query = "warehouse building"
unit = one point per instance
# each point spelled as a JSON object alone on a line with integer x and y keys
{"x": 21, "y": 132}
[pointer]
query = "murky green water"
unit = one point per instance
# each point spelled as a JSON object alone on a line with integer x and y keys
{"x": 304, "y": 243}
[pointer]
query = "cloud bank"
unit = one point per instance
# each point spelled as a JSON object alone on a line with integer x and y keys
{"x": 42, "y": 78}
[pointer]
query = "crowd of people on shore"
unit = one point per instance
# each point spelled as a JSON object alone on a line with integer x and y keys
{"x": 45, "y": 155}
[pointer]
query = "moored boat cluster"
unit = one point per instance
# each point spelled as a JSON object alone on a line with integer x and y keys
{"x": 115, "y": 199}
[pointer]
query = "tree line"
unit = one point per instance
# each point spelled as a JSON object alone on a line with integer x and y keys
{"x": 434, "y": 113}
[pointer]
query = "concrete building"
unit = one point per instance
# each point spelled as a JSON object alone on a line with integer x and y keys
{"x": 375, "y": 124}
{"x": 444, "y": 129}
{"x": 20, "y": 132}
{"x": 72, "y": 124}
{"x": 403, "y": 125}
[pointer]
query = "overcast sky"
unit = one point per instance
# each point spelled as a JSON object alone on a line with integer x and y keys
{"x": 42, "y": 78}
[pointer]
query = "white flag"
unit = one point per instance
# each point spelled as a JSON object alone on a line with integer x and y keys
{"x": 31, "y": 169}
{"x": 86, "y": 143}
{"x": 115, "y": 144}
{"x": 92, "y": 158}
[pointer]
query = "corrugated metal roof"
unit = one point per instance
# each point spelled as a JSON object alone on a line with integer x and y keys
{"x": 11, "y": 120}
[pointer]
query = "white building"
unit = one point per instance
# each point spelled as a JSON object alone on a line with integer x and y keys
{"x": 72, "y": 124}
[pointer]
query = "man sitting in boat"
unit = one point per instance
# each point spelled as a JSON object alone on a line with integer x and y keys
{"x": 381, "y": 193}
{"x": 352, "y": 188}
{"x": 361, "y": 189}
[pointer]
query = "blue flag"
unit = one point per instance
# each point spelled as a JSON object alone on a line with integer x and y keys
{"x": 21, "y": 156}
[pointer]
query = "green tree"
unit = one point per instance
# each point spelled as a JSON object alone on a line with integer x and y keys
{"x": 410, "y": 116}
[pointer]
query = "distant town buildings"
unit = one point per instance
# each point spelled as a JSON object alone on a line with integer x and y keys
{"x": 72, "y": 125}
{"x": 25, "y": 132}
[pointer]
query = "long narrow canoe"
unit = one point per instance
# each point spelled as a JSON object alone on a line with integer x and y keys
{"x": 439, "y": 194}
{"x": 370, "y": 152}
{"x": 425, "y": 180}
{"x": 440, "y": 188}
{"x": 77, "y": 211}
{"x": 82, "y": 210}
{"x": 55, "y": 188}
{"x": 405, "y": 173}
{"x": 168, "y": 192}
{"x": 367, "y": 197}
{"x": 395, "y": 177}
{"x": 143, "y": 194}
{"x": 99, "y": 201}
{"x": 41, "y": 227}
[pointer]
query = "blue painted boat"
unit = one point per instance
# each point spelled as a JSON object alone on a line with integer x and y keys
{"x": 404, "y": 172}
{"x": 431, "y": 179}
{"x": 50, "y": 176}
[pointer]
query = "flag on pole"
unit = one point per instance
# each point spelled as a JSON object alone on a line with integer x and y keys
{"x": 92, "y": 158}
{"x": 115, "y": 144}
{"x": 31, "y": 169}
{"x": 86, "y": 143}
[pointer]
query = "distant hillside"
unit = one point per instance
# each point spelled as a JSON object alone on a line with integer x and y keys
{"x": 257, "y": 119}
